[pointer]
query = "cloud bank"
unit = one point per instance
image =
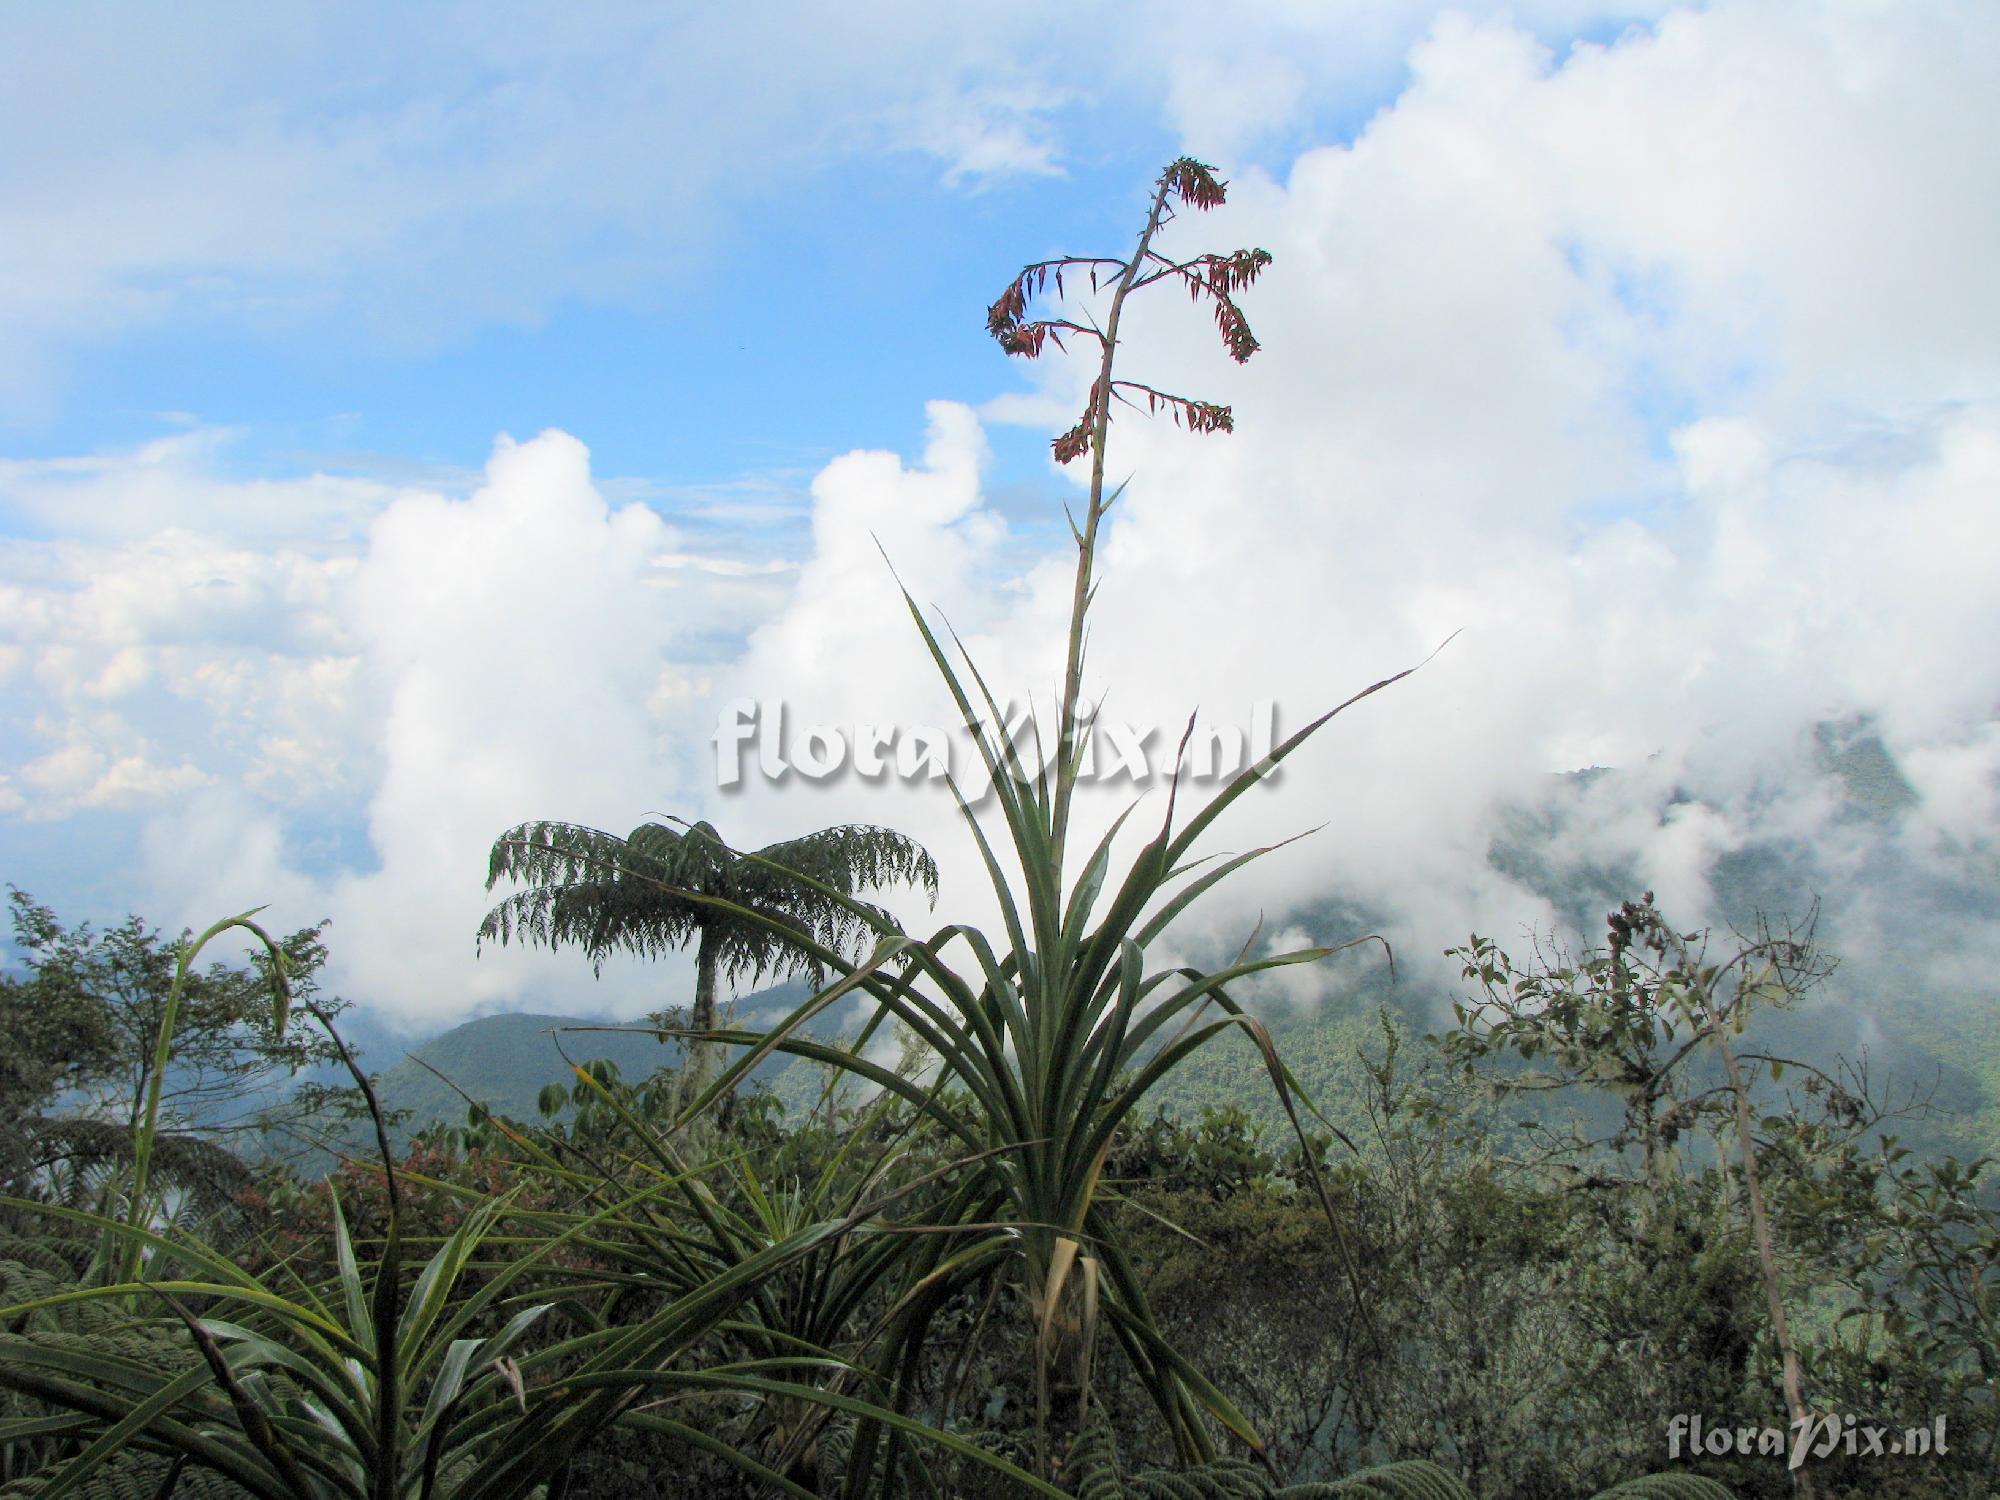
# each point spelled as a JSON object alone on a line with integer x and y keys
{"x": 1664, "y": 370}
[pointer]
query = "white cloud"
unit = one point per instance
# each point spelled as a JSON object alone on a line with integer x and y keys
{"x": 1665, "y": 369}
{"x": 512, "y": 646}
{"x": 1694, "y": 469}
{"x": 170, "y": 485}
{"x": 77, "y": 775}
{"x": 843, "y": 652}
{"x": 1958, "y": 783}
{"x": 988, "y": 132}
{"x": 407, "y": 178}
{"x": 1816, "y": 209}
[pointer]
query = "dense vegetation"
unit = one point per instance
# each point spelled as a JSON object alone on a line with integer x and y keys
{"x": 1498, "y": 1261}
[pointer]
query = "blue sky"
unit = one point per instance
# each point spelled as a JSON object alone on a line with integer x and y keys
{"x": 1651, "y": 345}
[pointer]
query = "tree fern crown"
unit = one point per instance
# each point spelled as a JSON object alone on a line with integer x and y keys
{"x": 661, "y": 887}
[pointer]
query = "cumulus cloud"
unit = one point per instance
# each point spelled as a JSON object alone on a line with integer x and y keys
{"x": 509, "y": 646}
{"x": 171, "y": 592}
{"x": 512, "y": 645}
{"x": 1663, "y": 368}
{"x": 78, "y": 775}
{"x": 844, "y": 655}
{"x": 463, "y": 665}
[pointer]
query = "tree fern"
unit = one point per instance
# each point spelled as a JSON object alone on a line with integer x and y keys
{"x": 1097, "y": 1475}
{"x": 1411, "y": 1479}
{"x": 133, "y": 1475}
{"x": 1667, "y": 1487}
{"x": 660, "y": 888}
{"x": 72, "y": 1159}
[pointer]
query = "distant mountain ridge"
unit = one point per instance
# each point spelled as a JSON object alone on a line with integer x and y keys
{"x": 1946, "y": 1038}
{"x": 505, "y": 1061}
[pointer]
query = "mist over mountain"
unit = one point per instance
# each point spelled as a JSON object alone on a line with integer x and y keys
{"x": 1905, "y": 1000}
{"x": 1910, "y": 1000}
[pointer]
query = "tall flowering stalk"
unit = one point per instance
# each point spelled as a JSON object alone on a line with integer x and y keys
{"x": 1048, "y": 1039}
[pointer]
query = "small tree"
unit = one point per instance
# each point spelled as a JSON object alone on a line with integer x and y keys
{"x": 83, "y": 1046}
{"x": 1628, "y": 1020}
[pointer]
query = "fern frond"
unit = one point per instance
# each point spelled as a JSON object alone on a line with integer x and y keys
{"x": 1094, "y": 1462}
{"x": 84, "y": 1153}
{"x": 1667, "y": 1487}
{"x": 134, "y": 1475}
{"x": 1225, "y": 1479}
{"x": 1411, "y": 1479}
{"x": 63, "y": 1260}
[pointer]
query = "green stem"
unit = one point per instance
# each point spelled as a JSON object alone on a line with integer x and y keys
{"x": 146, "y": 1126}
{"x": 1086, "y": 543}
{"x": 697, "y": 1054}
{"x": 1767, "y": 1259}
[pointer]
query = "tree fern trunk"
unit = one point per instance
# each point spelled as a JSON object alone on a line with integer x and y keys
{"x": 698, "y": 1060}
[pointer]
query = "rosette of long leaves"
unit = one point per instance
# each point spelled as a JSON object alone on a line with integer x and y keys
{"x": 315, "y": 1395}
{"x": 1044, "y": 1048}
{"x": 1049, "y": 1036}
{"x": 809, "y": 1321}
{"x": 369, "y": 1388}
{"x": 336, "y": 1391}
{"x": 306, "y": 1392}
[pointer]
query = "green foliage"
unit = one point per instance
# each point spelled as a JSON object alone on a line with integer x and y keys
{"x": 132, "y": 1473}
{"x": 773, "y": 912}
{"x": 1938, "y": 1255}
{"x": 377, "y": 1385}
{"x": 1099, "y": 1475}
{"x": 47, "y": 1270}
{"x": 1501, "y": 1300}
{"x": 606, "y": 894}
{"x": 1627, "y": 1022}
{"x": 1412, "y": 1479}
{"x": 58, "y": 1041}
{"x": 363, "y": 1388}
{"x": 1667, "y": 1487}
{"x": 84, "y": 1031}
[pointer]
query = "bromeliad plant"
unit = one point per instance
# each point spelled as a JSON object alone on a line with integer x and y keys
{"x": 804, "y": 1319}
{"x": 382, "y": 1385}
{"x": 369, "y": 1391}
{"x": 1047, "y": 1041}
{"x": 363, "y": 1389}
